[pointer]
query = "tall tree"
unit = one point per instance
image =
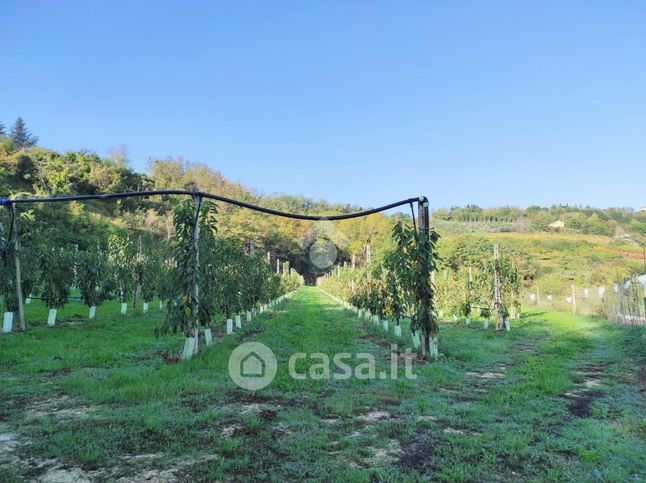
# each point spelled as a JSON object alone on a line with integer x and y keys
{"x": 2, "y": 130}
{"x": 20, "y": 135}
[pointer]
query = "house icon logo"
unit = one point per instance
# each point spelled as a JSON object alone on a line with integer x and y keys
{"x": 252, "y": 366}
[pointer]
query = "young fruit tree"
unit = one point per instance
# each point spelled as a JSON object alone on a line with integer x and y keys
{"x": 415, "y": 255}
{"x": 191, "y": 218}
{"x": 147, "y": 270}
{"x": 398, "y": 297}
{"x": 18, "y": 258}
{"x": 499, "y": 282}
{"x": 121, "y": 255}
{"x": 208, "y": 291}
{"x": 57, "y": 278}
{"x": 94, "y": 281}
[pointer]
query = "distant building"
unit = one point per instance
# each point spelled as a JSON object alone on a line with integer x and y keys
{"x": 557, "y": 225}
{"x": 642, "y": 210}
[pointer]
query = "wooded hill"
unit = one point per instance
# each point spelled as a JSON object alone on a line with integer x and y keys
{"x": 586, "y": 250}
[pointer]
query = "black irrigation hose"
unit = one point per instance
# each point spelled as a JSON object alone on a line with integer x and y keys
{"x": 231, "y": 201}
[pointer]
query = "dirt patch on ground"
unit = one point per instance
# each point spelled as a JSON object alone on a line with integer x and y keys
{"x": 486, "y": 375}
{"x": 419, "y": 452}
{"x": 59, "y": 407}
{"x": 587, "y": 388}
{"x": 388, "y": 454}
{"x": 581, "y": 402}
{"x": 374, "y": 416}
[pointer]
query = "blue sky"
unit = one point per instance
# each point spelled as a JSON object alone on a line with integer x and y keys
{"x": 364, "y": 102}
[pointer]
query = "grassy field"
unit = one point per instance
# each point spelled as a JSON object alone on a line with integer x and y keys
{"x": 558, "y": 398}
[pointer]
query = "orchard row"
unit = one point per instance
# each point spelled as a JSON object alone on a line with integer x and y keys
{"x": 387, "y": 288}
{"x": 202, "y": 277}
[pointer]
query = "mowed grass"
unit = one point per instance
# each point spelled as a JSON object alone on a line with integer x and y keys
{"x": 557, "y": 398}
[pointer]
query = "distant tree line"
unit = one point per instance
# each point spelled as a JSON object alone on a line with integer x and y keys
{"x": 579, "y": 219}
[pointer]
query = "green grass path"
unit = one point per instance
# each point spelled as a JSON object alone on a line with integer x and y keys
{"x": 558, "y": 398}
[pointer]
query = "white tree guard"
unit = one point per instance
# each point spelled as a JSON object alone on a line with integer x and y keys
{"x": 145, "y": 307}
{"x": 398, "y": 330}
{"x": 124, "y": 308}
{"x": 208, "y": 337}
{"x": 7, "y": 322}
{"x": 434, "y": 350}
{"x": 238, "y": 321}
{"x": 189, "y": 347}
{"x": 229, "y": 326}
{"x": 51, "y": 318}
{"x": 92, "y": 313}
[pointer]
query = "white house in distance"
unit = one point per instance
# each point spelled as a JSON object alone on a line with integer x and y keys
{"x": 642, "y": 210}
{"x": 557, "y": 225}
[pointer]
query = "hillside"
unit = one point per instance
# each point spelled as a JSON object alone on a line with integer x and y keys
{"x": 587, "y": 251}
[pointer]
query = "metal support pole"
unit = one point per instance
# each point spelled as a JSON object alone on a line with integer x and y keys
{"x": 423, "y": 223}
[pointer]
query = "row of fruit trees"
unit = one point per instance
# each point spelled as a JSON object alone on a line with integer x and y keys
{"x": 394, "y": 287}
{"x": 200, "y": 280}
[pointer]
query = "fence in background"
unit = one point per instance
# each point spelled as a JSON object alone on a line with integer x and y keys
{"x": 623, "y": 302}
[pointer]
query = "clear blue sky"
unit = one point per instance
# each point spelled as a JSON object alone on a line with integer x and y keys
{"x": 353, "y": 101}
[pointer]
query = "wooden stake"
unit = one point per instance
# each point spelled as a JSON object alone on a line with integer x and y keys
{"x": 497, "y": 289}
{"x": 573, "y": 299}
{"x": 16, "y": 260}
{"x": 197, "y": 203}
{"x": 140, "y": 251}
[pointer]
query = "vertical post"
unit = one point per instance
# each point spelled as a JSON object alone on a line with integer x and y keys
{"x": 354, "y": 261}
{"x": 497, "y": 289}
{"x": 538, "y": 296}
{"x": 197, "y": 203}
{"x": 16, "y": 261}
{"x": 430, "y": 339}
{"x": 573, "y": 299}
{"x": 140, "y": 252}
{"x": 621, "y": 301}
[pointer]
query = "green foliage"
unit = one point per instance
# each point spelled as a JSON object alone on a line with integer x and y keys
{"x": 148, "y": 265}
{"x": 57, "y": 265}
{"x": 28, "y": 252}
{"x": 183, "y": 309}
{"x": 397, "y": 285}
{"x": 121, "y": 256}
{"x": 20, "y": 136}
{"x": 93, "y": 276}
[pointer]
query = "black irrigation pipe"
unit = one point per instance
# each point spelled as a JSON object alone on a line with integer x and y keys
{"x": 224, "y": 199}
{"x": 71, "y": 297}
